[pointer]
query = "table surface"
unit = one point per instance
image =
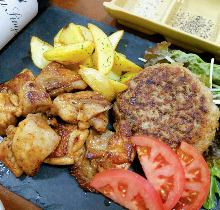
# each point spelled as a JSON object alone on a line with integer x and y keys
{"x": 90, "y": 8}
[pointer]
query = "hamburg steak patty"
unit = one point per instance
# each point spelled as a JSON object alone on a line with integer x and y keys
{"x": 169, "y": 102}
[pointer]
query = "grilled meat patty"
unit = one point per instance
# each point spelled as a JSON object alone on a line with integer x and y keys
{"x": 169, "y": 102}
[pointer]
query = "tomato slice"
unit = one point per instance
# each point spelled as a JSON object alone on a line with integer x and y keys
{"x": 197, "y": 178}
{"x": 128, "y": 189}
{"x": 162, "y": 168}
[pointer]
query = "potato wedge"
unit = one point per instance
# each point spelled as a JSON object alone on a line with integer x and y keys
{"x": 71, "y": 34}
{"x": 70, "y": 54}
{"x": 88, "y": 62}
{"x": 127, "y": 76}
{"x": 103, "y": 48}
{"x": 115, "y": 38}
{"x": 118, "y": 86}
{"x": 113, "y": 75}
{"x": 121, "y": 63}
{"x": 56, "y": 40}
{"x": 86, "y": 33}
{"x": 38, "y": 47}
{"x": 98, "y": 82}
{"x": 95, "y": 59}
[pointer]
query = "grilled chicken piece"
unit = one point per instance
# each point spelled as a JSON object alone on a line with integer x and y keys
{"x": 68, "y": 150}
{"x": 6, "y": 155}
{"x": 96, "y": 144}
{"x": 33, "y": 142}
{"x": 83, "y": 172}
{"x": 9, "y": 111}
{"x": 57, "y": 79}
{"x": 119, "y": 152}
{"x": 82, "y": 107}
{"x": 99, "y": 122}
{"x": 14, "y": 85}
{"x": 33, "y": 98}
{"x": 108, "y": 150}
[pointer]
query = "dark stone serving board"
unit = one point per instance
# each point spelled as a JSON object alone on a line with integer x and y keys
{"x": 53, "y": 188}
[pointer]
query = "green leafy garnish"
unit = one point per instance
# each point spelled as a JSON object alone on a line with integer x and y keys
{"x": 157, "y": 54}
{"x": 197, "y": 65}
{"x": 214, "y": 188}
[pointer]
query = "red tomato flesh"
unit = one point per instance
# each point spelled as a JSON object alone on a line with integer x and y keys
{"x": 162, "y": 168}
{"x": 128, "y": 189}
{"x": 197, "y": 178}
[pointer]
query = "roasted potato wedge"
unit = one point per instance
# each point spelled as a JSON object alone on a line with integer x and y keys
{"x": 98, "y": 82}
{"x": 71, "y": 34}
{"x": 88, "y": 62}
{"x": 115, "y": 38}
{"x": 70, "y": 54}
{"x": 113, "y": 75}
{"x": 121, "y": 63}
{"x": 56, "y": 40}
{"x": 127, "y": 76}
{"x": 103, "y": 48}
{"x": 38, "y": 47}
{"x": 118, "y": 86}
{"x": 86, "y": 33}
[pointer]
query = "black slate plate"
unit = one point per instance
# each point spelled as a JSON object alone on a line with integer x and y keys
{"x": 53, "y": 188}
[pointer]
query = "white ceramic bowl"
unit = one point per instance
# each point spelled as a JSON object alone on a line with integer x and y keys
{"x": 1, "y": 206}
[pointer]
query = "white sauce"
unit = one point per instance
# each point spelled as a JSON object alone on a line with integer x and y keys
{"x": 146, "y": 8}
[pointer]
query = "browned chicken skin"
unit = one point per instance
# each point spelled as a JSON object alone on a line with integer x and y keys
{"x": 57, "y": 79}
{"x": 6, "y": 154}
{"x": 9, "y": 111}
{"x": 84, "y": 108}
{"x": 32, "y": 97}
{"x": 14, "y": 85}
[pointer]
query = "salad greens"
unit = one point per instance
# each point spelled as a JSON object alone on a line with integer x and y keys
{"x": 214, "y": 188}
{"x": 161, "y": 54}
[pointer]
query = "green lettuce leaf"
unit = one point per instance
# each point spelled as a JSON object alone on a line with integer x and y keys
{"x": 214, "y": 188}
{"x": 157, "y": 54}
{"x": 197, "y": 65}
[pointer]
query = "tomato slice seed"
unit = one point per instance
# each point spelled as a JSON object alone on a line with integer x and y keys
{"x": 122, "y": 188}
{"x": 139, "y": 202}
{"x": 128, "y": 189}
{"x": 197, "y": 178}
{"x": 107, "y": 189}
{"x": 162, "y": 168}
